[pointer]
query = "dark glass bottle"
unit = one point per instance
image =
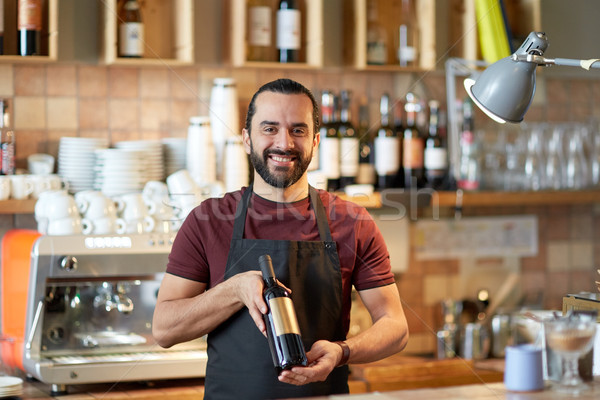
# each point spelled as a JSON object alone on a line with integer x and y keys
{"x": 436, "y": 154}
{"x": 29, "y": 27}
{"x": 329, "y": 148}
{"x": 413, "y": 145}
{"x": 283, "y": 331}
{"x": 288, "y": 31}
{"x": 349, "y": 143}
{"x": 387, "y": 148}
{"x": 366, "y": 167}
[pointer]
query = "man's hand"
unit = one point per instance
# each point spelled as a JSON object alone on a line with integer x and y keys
{"x": 248, "y": 287}
{"x": 323, "y": 357}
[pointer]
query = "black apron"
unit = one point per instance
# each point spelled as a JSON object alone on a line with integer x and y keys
{"x": 239, "y": 360}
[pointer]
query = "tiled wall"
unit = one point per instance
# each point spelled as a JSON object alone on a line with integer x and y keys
{"x": 125, "y": 103}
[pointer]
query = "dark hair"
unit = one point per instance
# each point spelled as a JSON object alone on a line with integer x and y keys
{"x": 284, "y": 86}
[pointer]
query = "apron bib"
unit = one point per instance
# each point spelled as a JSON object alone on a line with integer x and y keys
{"x": 239, "y": 360}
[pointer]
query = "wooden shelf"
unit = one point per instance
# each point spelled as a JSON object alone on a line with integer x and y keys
{"x": 168, "y": 33}
{"x": 49, "y": 35}
{"x": 426, "y": 198}
{"x": 12, "y": 206}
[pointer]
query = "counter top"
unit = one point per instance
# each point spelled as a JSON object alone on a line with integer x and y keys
{"x": 193, "y": 390}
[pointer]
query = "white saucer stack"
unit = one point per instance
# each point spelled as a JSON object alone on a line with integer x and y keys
{"x": 120, "y": 171}
{"x": 153, "y": 155}
{"x": 76, "y": 161}
{"x": 10, "y": 386}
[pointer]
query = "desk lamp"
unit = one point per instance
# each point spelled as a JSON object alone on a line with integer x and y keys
{"x": 505, "y": 89}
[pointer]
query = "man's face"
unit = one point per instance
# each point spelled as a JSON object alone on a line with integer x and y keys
{"x": 282, "y": 139}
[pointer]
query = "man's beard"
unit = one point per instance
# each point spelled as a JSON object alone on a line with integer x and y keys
{"x": 283, "y": 177}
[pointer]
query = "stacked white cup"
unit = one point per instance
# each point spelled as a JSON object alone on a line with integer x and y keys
{"x": 136, "y": 212}
{"x": 57, "y": 213}
{"x": 201, "y": 158}
{"x": 5, "y": 187}
{"x": 101, "y": 210}
{"x": 236, "y": 171}
{"x": 184, "y": 192}
{"x": 164, "y": 213}
{"x": 224, "y": 116}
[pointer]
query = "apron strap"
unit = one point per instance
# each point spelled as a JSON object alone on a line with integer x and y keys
{"x": 316, "y": 203}
{"x": 322, "y": 223}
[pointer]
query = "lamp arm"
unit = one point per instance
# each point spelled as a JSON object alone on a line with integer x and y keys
{"x": 567, "y": 62}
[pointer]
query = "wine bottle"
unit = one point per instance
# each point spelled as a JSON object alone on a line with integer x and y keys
{"x": 387, "y": 148}
{"x": 7, "y": 141}
{"x": 376, "y": 36}
{"x": 407, "y": 35}
{"x": 366, "y": 169}
{"x": 29, "y": 26}
{"x": 413, "y": 145}
{"x": 283, "y": 331}
{"x": 260, "y": 33}
{"x": 349, "y": 143}
{"x": 436, "y": 154}
{"x": 131, "y": 30}
{"x": 288, "y": 31}
{"x": 329, "y": 148}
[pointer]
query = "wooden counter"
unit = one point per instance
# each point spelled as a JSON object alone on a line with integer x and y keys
{"x": 393, "y": 373}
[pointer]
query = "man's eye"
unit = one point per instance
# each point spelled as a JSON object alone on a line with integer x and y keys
{"x": 299, "y": 132}
{"x": 269, "y": 129}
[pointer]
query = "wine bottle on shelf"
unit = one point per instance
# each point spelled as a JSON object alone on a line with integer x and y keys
{"x": 131, "y": 30}
{"x": 349, "y": 143}
{"x": 387, "y": 148}
{"x": 260, "y": 32}
{"x": 289, "y": 31}
{"x": 329, "y": 148}
{"x": 366, "y": 167}
{"x": 435, "y": 154}
{"x": 283, "y": 331}
{"x": 376, "y": 36}
{"x": 412, "y": 145}
{"x": 29, "y": 26}
{"x": 7, "y": 141}
{"x": 407, "y": 35}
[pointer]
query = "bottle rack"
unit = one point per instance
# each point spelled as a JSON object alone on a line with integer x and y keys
{"x": 49, "y": 36}
{"x": 168, "y": 34}
{"x": 311, "y": 54}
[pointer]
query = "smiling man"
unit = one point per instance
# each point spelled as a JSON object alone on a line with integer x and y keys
{"x": 320, "y": 245}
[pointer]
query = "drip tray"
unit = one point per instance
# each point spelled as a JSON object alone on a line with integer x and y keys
{"x": 129, "y": 357}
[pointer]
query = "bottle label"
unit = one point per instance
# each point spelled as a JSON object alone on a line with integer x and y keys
{"x": 329, "y": 152}
{"x": 436, "y": 158}
{"x": 387, "y": 155}
{"x": 349, "y": 156}
{"x": 284, "y": 316}
{"x": 30, "y": 15}
{"x": 7, "y": 153}
{"x": 413, "y": 153}
{"x": 366, "y": 174}
{"x": 288, "y": 29}
{"x": 131, "y": 41}
{"x": 376, "y": 53}
{"x": 259, "y": 23}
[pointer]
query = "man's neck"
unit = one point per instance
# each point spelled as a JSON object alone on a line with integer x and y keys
{"x": 297, "y": 191}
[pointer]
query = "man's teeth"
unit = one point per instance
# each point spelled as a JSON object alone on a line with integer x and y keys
{"x": 282, "y": 159}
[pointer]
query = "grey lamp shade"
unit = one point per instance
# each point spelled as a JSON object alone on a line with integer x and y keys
{"x": 504, "y": 90}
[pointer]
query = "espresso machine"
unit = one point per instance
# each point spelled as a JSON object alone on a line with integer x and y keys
{"x": 89, "y": 306}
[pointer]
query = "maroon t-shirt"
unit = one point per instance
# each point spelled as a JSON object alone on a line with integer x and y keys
{"x": 201, "y": 246}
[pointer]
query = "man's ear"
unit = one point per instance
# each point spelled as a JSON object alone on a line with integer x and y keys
{"x": 246, "y": 140}
{"x": 317, "y": 139}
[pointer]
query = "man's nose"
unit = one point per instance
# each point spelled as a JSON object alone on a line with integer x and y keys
{"x": 284, "y": 140}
